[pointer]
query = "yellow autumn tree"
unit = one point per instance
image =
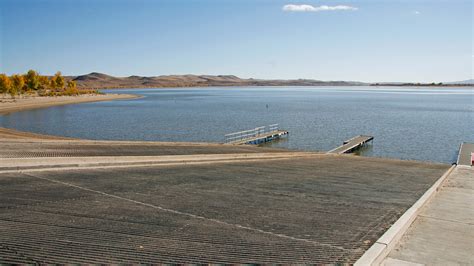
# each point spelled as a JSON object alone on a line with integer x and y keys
{"x": 52, "y": 84}
{"x": 5, "y": 84}
{"x": 44, "y": 83}
{"x": 18, "y": 83}
{"x": 32, "y": 80}
{"x": 72, "y": 88}
{"x": 58, "y": 81}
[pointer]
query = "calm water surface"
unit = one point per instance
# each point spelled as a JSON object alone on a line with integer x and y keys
{"x": 408, "y": 123}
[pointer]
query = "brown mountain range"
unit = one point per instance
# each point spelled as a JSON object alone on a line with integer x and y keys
{"x": 101, "y": 81}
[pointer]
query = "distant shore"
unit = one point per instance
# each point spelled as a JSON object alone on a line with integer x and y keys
{"x": 8, "y": 105}
{"x": 97, "y": 80}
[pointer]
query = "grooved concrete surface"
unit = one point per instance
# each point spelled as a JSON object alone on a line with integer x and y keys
{"x": 443, "y": 233}
{"x": 64, "y": 148}
{"x": 301, "y": 210}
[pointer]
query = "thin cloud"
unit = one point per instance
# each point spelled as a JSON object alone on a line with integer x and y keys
{"x": 310, "y": 8}
{"x": 416, "y": 12}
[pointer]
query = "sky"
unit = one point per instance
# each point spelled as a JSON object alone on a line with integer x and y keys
{"x": 366, "y": 40}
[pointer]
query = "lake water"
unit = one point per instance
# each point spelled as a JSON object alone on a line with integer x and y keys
{"x": 425, "y": 124}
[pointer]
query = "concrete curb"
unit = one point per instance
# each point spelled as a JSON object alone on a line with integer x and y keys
{"x": 382, "y": 247}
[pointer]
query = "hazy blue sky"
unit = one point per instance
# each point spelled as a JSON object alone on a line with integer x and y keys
{"x": 366, "y": 40}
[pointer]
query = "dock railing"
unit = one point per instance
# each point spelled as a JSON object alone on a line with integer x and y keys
{"x": 251, "y": 133}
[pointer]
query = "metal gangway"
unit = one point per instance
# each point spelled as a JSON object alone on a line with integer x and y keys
{"x": 255, "y": 136}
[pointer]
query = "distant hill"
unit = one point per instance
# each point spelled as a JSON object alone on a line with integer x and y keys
{"x": 101, "y": 81}
{"x": 463, "y": 82}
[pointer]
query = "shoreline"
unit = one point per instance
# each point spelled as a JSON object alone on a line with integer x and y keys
{"x": 28, "y": 103}
{"x": 281, "y": 86}
{"x": 12, "y": 134}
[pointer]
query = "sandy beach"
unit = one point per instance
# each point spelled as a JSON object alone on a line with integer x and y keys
{"x": 8, "y": 105}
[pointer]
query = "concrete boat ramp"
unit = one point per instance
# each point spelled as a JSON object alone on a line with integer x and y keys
{"x": 71, "y": 201}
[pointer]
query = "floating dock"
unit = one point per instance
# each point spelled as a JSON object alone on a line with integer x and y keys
{"x": 256, "y": 136}
{"x": 465, "y": 156}
{"x": 352, "y": 144}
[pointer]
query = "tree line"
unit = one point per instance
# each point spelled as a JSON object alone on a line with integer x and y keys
{"x": 35, "y": 84}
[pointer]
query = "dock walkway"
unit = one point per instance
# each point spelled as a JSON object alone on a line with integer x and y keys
{"x": 352, "y": 144}
{"x": 465, "y": 154}
{"x": 443, "y": 232}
